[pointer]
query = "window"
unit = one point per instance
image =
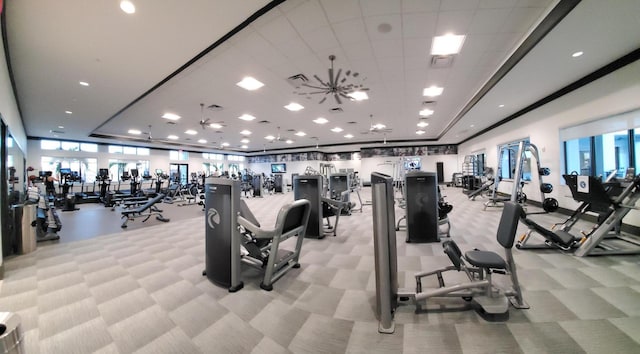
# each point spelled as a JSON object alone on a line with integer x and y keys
{"x": 70, "y": 146}
{"x": 115, "y": 149}
{"x": 578, "y": 156}
{"x": 128, "y": 150}
{"x": 49, "y": 145}
{"x": 636, "y": 149}
{"x": 144, "y": 151}
{"x": 508, "y": 159}
{"x": 10, "y": 145}
{"x": 178, "y": 155}
{"x": 89, "y": 147}
{"x": 235, "y": 158}
{"x": 612, "y": 153}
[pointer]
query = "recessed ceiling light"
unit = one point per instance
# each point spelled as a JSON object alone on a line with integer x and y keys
{"x": 191, "y": 132}
{"x": 359, "y": 95}
{"x": 577, "y": 54}
{"x": 294, "y": 107}
{"x": 245, "y": 141}
{"x": 172, "y": 137}
{"x": 447, "y": 44}
{"x": 225, "y": 144}
{"x": 68, "y": 112}
{"x": 420, "y": 132}
{"x": 244, "y": 146}
{"x": 432, "y": 91}
{"x": 336, "y": 130}
{"x": 289, "y": 141}
{"x": 215, "y": 125}
{"x": 320, "y": 120}
{"x": 501, "y": 106}
{"x": 61, "y": 127}
{"x": 134, "y": 131}
{"x": 379, "y": 126}
{"x": 202, "y": 141}
{"x": 423, "y": 124}
{"x": 472, "y": 125}
{"x": 83, "y": 83}
{"x": 425, "y": 112}
{"x": 247, "y": 117}
{"x": 301, "y": 133}
{"x": 249, "y": 83}
{"x": 270, "y": 137}
{"x": 245, "y": 132}
{"x": 127, "y": 6}
{"x": 171, "y": 116}
{"x": 349, "y": 136}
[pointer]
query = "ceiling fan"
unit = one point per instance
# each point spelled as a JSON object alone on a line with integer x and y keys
{"x": 204, "y": 123}
{"x": 337, "y": 85}
{"x": 377, "y": 128}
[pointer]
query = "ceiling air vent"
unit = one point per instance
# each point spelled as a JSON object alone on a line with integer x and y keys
{"x": 171, "y": 123}
{"x": 352, "y": 122}
{"x": 56, "y": 131}
{"x": 264, "y": 122}
{"x": 336, "y": 110}
{"x": 441, "y": 61}
{"x": 291, "y": 130}
{"x": 297, "y": 80}
{"x": 428, "y": 103}
{"x": 214, "y": 107}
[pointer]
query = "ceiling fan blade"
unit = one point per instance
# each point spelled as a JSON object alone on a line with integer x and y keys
{"x": 323, "y": 99}
{"x": 331, "y": 83}
{"x": 314, "y": 87}
{"x": 338, "y": 77}
{"x": 337, "y": 98}
{"x": 319, "y": 80}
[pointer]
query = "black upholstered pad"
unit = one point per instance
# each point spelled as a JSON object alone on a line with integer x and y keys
{"x": 485, "y": 259}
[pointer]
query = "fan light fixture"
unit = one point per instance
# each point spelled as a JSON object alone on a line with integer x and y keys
{"x": 336, "y": 86}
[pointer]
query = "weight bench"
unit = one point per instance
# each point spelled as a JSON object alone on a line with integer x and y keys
{"x": 144, "y": 211}
{"x": 558, "y": 238}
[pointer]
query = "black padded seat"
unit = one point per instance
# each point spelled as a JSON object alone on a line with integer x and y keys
{"x": 485, "y": 259}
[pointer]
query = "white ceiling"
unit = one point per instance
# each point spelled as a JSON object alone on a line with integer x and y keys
{"x": 54, "y": 45}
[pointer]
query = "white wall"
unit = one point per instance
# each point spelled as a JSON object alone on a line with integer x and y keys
{"x": 9, "y": 107}
{"x": 616, "y": 93}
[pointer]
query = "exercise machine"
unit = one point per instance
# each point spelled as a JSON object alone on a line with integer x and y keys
{"x": 482, "y": 264}
{"x": 234, "y": 236}
{"x": 611, "y": 201}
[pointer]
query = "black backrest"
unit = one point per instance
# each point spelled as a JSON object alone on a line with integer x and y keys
{"x": 295, "y": 216}
{"x": 509, "y": 223}
{"x": 452, "y": 250}
{"x": 246, "y": 213}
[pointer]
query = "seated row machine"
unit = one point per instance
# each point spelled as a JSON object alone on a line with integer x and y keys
{"x": 230, "y": 227}
{"x": 482, "y": 264}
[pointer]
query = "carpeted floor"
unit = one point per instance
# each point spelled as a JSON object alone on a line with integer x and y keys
{"x": 141, "y": 290}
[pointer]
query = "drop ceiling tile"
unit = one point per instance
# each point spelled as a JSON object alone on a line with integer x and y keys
{"x": 380, "y": 7}
{"x": 456, "y": 22}
{"x": 488, "y": 21}
{"x": 497, "y": 4}
{"x": 277, "y": 31}
{"x": 341, "y": 10}
{"x": 351, "y": 31}
{"x": 373, "y": 25}
{"x": 448, "y": 5}
{"x": 321, "y": 38}
{"x": 412, "y": 6}
{"x": 360, "y": 51}
{"x": 419, "y": 25}
{"x": 307, "y": 17}
{"x": 387, "y": 48}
